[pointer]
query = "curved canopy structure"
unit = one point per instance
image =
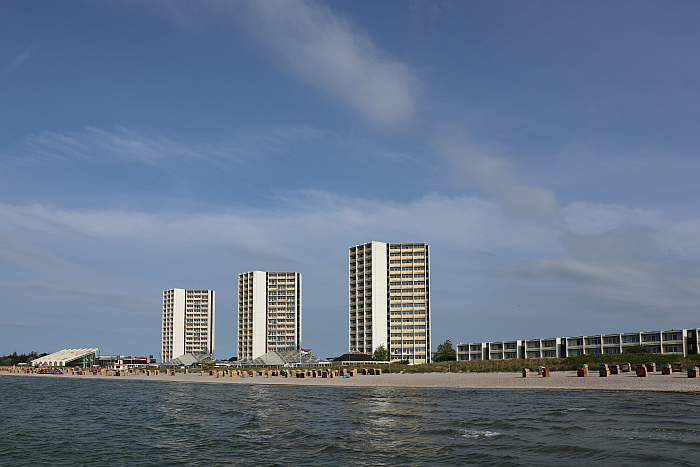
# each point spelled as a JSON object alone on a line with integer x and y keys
{"x": 65, "y": 357}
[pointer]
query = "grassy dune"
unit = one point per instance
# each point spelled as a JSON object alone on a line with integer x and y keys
{"x": 517, "y": 365}
{"x": 554, "y": 364}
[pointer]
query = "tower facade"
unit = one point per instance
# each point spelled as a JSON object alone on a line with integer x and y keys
{"x": 269, "y": 313}
{"x": 389, "y": 299}
{"x": 188, "y": 323}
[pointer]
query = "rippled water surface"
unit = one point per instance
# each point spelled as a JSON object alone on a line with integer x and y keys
{"x": 55, "y": 421}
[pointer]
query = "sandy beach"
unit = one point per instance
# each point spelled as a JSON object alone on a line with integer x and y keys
{"x": 654, "y": 382}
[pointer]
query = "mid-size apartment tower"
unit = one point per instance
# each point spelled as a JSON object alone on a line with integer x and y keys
{"x": 269, "y": 313}
{"x": 389, "y": 299}
{"x": 188, "y": 323}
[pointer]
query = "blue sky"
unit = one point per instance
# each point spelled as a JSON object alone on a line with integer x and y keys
{"x": 547, "y": 151}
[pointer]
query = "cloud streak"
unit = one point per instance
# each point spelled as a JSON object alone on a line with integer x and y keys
{"x": 119, "y": 146}
{"x": 584, "y": 218}
{"x": 327, "y": 51}
{"x": 18, "y": 60}
{"x": 123, "y": 146}
{"x": 316, "y": 214}
{"x": 44, "y": 274}
{"x": 494, "y": 176}
{"x": 624, "y": 271}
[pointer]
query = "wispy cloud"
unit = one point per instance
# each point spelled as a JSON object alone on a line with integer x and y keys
{"x": 326, "y": 218}
{"x": 38, "y": 270}
{"x": 585, "y": 218}
{"x": 17, "y": 61}
{"x": 321, "y": 48}
{"x": 675, "y": 238}
{"x": 476, "y": 166}
{"x": 681, "y": 239}
{"x": 328, "y": 51}
{"x": 124, "y": 145}
{"x": 15, "y": 252}
{"x": 623, "y": 271}
{"x": 465, "y": 222}
{"x": 120, "y": 145}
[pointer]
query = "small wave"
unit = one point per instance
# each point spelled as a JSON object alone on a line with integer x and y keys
{"x": 474, "y": 434}
{"x": 569, "y": 410}
{"x": 328, "y": 448}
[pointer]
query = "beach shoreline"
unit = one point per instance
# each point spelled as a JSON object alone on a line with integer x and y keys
{"x": 561, "y": 380}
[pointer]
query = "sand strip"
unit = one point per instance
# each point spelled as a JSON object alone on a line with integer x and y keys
{"x": 655, "y": 382}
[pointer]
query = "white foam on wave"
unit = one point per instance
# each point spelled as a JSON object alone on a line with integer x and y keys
{"x": 473, "y": 434}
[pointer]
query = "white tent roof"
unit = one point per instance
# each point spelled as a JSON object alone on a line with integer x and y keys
{"x": 62, "y": 357}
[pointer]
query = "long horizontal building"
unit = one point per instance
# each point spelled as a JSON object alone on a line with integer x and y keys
{"x": 683, "y": 341}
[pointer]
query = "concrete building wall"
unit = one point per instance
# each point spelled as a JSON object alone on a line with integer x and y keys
{"x": 389, "y": 299}
{"x": 212, "y": 321}
{"x": 178, "y": 332}
{"x": 367, "y": 297}
{"x": 409, "y": 301}
{"x": 284, "y": 305}
{"x": 269, "y": 313}
{"x": 188, "y": 323}
{"x": 683, "y": 341}
{"x": 379, "y": 326}
{"x": 259, "y": 314}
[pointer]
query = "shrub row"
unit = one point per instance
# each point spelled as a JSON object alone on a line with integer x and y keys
{"x": 554, "y": 364}
{"x": 517, "y": 365}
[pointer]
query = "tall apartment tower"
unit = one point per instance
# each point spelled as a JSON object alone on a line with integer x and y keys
{"x": 188, "y": 323}
{"x": 389, "y": 299}
{"x": 269, "y": 313}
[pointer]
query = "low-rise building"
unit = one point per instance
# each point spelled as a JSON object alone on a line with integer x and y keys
{"x": 68, "y": 357}
{"x": 121, "y": 362}
{"x": 683, "y": 341}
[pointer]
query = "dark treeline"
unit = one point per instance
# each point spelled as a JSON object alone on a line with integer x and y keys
{"x": 14, "y": 359}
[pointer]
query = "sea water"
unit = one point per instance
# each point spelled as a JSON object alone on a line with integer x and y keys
{"x": 59, "y": 421}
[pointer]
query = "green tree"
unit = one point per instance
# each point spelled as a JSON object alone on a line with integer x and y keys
{"x": 445, "y": 352}
{"x": 381, "y": 354}
{"x": 14, "y": 359}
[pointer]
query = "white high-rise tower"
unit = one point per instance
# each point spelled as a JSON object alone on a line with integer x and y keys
{"x": 188, "y": 323}
{"x": 269, "y": 313}
{"x": 389, "y": 299}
